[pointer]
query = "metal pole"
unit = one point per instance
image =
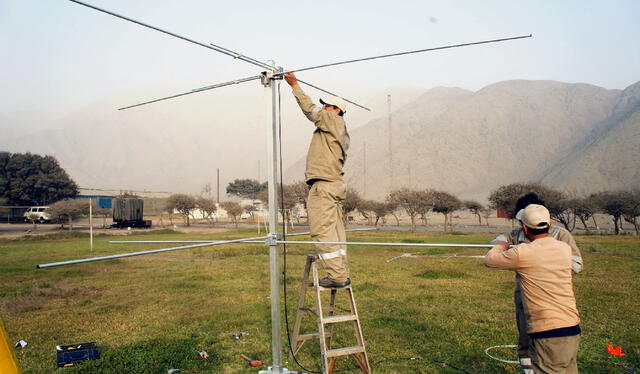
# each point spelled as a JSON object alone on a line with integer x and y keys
{"x": 390, "y": 144}
{"x": 214, "y": 47}
{"x": 111, "y": 257}
{"x": 218, "y": 185}
{"x": 388, "y": 244}
{"x": 90, "y": 226}
{"x": 274, "y": 263}
{"x": 404, "y": 53}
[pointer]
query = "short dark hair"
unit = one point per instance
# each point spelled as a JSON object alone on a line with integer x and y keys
{"x": 533, "y": 231}
{"x": 528, "y": 199}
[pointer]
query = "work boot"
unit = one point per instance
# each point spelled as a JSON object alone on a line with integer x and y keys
{"x": 327, "y": 282}
{"x": 525, "y": 365}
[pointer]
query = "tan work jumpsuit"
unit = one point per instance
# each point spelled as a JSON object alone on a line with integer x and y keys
{"x": 325, "y": 159}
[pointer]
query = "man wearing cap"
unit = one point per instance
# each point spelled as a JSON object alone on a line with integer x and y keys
{"x": 544, "y": 267}
{"x": 515, "y": 237}
{"x": 325, "y": 159}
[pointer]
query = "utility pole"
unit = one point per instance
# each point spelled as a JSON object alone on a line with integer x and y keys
{"x": 390, "y": 133}
{"x": 218, "y": 185}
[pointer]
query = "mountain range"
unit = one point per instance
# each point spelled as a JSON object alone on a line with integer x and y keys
{"x": 575, "y": 137}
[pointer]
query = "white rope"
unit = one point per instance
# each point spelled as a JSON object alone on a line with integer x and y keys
{"x": 486, "y": 351}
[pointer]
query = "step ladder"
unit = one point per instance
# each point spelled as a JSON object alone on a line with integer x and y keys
{"x": 326, "y": 319}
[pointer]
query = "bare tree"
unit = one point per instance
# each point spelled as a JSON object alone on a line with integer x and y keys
{"x": 424, "y": 201}
{"x": 486, "y": 213}
{"x": 208, "y": 208}
{"x": 392, "y": 208}
{"x": 474, "y": 207}
{"x": 184, "y": 204}
{"x": 611, "y": 203}
{"x": 584, "y": 208}
{"x": 409, "y": 201}
{"x": 96, "y": 210}
{"x": 445, "y": 203}
{"x": 233, "y": 209}
{"x": 631, "y": 210}
{"x": 66, "y": 210}
{"x": 350, "y": 203}
{"x": 380, "y": 210}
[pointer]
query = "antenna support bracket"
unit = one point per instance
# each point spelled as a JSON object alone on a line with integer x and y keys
{"x": 268, "y": 76}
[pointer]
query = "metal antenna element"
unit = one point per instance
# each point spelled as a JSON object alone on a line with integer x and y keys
{"x": 211, "y": 46}
{"x": 195, "y": 90}
{"x": 404, "y": 53}
{"x": 208, "y": 46}
{"x": 111, "y": 257}
{"x": 331, "y": 93}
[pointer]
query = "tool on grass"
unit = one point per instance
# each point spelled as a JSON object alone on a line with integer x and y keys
{"x": 253, "y": 363}
{"x": 239, "y": 335}
{"x": 203, "y": 355}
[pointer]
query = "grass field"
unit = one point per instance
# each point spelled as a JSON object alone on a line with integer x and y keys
{"x": 155, "y": 312}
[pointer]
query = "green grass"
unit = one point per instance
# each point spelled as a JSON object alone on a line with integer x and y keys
{"x": 155, "y": 312}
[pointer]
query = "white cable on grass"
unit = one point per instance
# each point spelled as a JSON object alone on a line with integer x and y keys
{"x": 486, "y": 351}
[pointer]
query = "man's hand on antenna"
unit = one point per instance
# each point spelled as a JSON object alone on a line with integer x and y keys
{"x": 291, "y": 79}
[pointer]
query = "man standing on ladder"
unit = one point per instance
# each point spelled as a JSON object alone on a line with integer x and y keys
{"x": 325, "y": 160}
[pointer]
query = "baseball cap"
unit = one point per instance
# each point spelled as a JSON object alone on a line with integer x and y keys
{"x": 535, "y": 216}
{"x": 335, "y": 101}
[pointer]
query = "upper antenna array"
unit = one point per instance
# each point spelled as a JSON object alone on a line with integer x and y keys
{"x": 275, "y": 72}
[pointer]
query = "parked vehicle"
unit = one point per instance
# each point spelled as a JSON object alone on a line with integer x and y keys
{"x": 37, "y": 213}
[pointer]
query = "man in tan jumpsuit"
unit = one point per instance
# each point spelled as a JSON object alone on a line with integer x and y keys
{"x": 325, "y": 159}
{"x": 516, "y": 237}
{"x": 544, "y": 266}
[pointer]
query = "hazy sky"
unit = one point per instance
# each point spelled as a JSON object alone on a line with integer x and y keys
{"x": 60, "y": 55}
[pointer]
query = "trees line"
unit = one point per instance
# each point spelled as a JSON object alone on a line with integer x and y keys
{"x": 28, "y": 179}
{"x": 566, "y": 208}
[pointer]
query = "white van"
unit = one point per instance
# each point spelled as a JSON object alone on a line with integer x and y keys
{"x": 39, "y": 212}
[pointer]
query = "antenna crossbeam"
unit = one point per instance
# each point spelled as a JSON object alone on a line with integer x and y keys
{"x": 217, "y": 48}
{"x": 208, "y": 46}
{"x": 195, "y": 90}
{"x": 404, "y": 53}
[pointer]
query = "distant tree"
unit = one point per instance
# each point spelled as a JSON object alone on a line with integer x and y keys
{"x": 631, "y": 210}
{"x": 612, "y": 203}
{"x": 486, "y": 213}
{"x": 208, "y": 208}
{"x": 28, "y": 179}
{"x": 351, "y": 202}
{"x": 408, "y": 200}
{"x": 66, "y": 210}
{"x": 474, "y": 207}
{"x": 424, "y": 201}
{"x": 184, "y": 204}
{"x": 445, "y": 203}
{"x": 366, "y": 210}
{"x": 505, "y": 197}
{"x": 393, "y": 207}
{"x": 233, "y": 209}
{"x": 300, "y": 191}
{"x": 96, "y": 211}
{"x": 246, "y": 188}
{"x": 380, "y": 210}
{"x": 3, "y": 203}
{"x": 584, "y": 208}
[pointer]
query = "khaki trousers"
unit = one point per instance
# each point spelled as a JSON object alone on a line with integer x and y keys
{"x": 555, "y": 355}
{"x": 324, "y": 207}
{"x": 521, "y": 321}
